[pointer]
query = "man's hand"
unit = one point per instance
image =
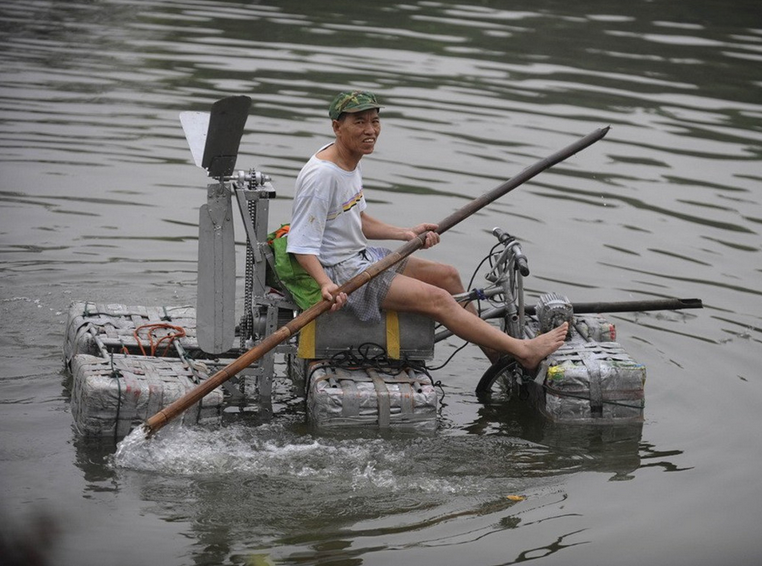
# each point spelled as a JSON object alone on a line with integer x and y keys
{"x": 432, "y": 238}
{"x": 329, "y": 291}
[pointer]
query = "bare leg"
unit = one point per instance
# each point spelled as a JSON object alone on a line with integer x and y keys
{"x": 416, "y": 295}
{"x": 445, "y": 277}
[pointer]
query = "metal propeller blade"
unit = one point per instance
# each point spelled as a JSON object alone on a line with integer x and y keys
{"x": 214, "y": 138}
{"x": 224, "y": 135}
{"x": 195, "y": 126}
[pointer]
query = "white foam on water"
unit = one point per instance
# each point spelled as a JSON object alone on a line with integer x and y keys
{"x": 357, "y": 464}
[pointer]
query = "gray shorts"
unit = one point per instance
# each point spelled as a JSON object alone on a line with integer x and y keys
{"x": 365, "y": 303}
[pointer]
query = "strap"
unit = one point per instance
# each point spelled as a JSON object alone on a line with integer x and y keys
{"x": 350, "y": 401}
{"x": 382, "y": 394}
{"x": 406, "y": 398}
{"x": 596, "y": 394}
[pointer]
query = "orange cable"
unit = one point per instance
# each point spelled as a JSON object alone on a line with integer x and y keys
{"x": 170, "y": 337}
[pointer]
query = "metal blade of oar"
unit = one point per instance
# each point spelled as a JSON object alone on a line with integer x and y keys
{"x": 215, "y": 292}
{"x": 161, "y": 418}
{"x": 214, "y": 139}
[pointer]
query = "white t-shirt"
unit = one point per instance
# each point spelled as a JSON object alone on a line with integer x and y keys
{"x": 325, "y": 219}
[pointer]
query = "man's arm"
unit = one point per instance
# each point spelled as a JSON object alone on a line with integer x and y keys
{"x": 328, "y": 288}
{"x": 375, "y": 229}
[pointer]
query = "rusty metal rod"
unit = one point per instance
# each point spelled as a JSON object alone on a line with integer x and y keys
{"x": 595, "y": 308}
{"x": 631, "y": 306}
{"x": 161, "y": 418}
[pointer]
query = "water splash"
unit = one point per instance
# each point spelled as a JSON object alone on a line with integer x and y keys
{"x": 131, "y": 445}
{"x": 270, "y": 450}
{"x": 343, "y": 463}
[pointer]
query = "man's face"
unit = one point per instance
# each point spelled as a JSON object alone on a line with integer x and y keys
{"x": 358, "y": 131}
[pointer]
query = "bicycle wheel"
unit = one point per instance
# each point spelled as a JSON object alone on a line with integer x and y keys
{"x": 501, "y": 380}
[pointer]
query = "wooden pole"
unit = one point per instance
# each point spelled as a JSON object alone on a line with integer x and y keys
{"x": 161, "y": 418}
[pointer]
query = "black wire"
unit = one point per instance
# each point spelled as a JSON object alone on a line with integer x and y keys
{"x": 478, "y": 267}
{"x": 362, "y": 357}
{"x": 116, "y": 374}
{"x": 448, "y": 360}
{"x": 489, "y": 257}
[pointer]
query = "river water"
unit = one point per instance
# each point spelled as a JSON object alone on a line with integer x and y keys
{"x": 99, "y": 200}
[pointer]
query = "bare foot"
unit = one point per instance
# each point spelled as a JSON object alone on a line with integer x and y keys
{"x": 538, "y": 348}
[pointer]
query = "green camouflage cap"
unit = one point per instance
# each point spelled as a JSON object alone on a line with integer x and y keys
{"x": 355, "y": 101}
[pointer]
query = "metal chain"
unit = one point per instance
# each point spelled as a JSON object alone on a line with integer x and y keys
{"x": 246, "y": 320}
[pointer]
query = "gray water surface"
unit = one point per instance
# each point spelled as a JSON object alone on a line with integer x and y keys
{"x": 99, "y": 201}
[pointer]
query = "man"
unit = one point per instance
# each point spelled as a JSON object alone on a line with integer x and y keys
{"x": 330, "y": 231}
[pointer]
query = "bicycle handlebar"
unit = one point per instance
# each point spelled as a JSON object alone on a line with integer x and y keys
{"x": 501, "y": 235}
{"x": 509, "y": 241}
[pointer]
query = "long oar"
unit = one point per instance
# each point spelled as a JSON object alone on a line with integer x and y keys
{"x": 285, "y": 332}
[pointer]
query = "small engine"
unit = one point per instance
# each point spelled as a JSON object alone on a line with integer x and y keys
{"x": 553, "y": 310}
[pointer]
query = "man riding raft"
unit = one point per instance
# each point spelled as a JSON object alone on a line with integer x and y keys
{"x": 329, "y": 237}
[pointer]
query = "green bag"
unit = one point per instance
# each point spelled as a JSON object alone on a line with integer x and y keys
{"x": 290, "y": 273}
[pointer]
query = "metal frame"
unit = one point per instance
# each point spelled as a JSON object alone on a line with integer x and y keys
{"x": 263, "y": 309}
